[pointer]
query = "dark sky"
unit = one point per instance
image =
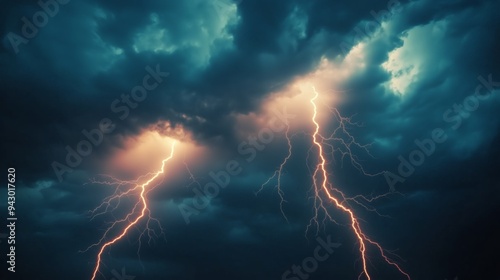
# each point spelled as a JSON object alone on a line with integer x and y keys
{"x": 420, "y": 81}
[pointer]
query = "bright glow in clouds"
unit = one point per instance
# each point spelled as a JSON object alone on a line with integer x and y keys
{"x": 142, "y": 153}
{"x": 138, "y": 216}
{"x": 152, "y": 156}
{"x": 326, "y": 77}
{"x": 315, "y": 113}
{"x": 405, "y": 63}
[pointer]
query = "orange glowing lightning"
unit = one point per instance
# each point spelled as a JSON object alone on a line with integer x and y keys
{"x": 323, "y": 187}
{"x": 140, "y": 209}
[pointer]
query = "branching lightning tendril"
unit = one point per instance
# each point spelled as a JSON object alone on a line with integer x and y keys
{"x": 324, "y": 192}
{"x": 138, "y": 189}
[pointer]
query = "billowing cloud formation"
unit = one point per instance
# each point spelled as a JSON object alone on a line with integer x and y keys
{"x": 107, "y": 72}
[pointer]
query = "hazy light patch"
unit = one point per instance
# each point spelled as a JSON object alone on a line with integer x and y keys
{"x": 144, "y": 153}
{"x": 155, "y": 39}
{"x": 36, "y": 194}
{"x": 202, "y": 34}
{"x": 388, "y": 142}
{"x": 406, "y": 63}
{"x": 100, "y": 14}
{"x": 295, "y": 99}
{"x": 403, "y": 74}
{"x": 44, "y": 184}
{"x": 109, "y": 57}
{"x": 354, "y": 60}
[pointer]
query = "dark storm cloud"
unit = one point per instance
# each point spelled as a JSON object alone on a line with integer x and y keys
{"x": 222, "y": 62}
{"x": 74, "y": 59}
{"x": 451, "y": 53}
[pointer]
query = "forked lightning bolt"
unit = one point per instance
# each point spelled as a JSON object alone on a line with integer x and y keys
{"x": 323, "y": 190}
{"x": 139, "y": 189}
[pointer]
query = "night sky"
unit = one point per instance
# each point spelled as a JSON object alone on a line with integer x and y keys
{"x": 94, "y": 94}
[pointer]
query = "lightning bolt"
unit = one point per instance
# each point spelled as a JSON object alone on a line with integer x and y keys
{"x": 324, "y": 191}
{"x": 139, "y": 212}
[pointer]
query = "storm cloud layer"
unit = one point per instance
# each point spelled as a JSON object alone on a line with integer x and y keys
{"x": 421, "y": 77}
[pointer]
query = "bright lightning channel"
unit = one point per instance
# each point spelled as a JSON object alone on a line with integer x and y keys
{"x": 139, "y": 212}
{"x": 324, "y": 190}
